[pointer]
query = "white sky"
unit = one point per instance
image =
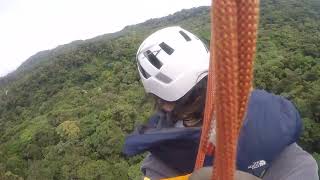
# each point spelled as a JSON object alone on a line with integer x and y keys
{"x": 30, "y": 26}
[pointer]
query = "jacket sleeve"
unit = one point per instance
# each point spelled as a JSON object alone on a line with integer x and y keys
{"x": 154, "y": 169}
{"x": 293, "y": 164}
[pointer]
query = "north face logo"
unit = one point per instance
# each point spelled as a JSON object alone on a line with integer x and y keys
{"x": 257, "y": 164}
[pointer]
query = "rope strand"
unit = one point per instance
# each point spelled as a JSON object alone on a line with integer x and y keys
{"x": 233, "y": 40}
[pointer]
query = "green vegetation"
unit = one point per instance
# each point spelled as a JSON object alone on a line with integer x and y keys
{"x": 65, "y": 112}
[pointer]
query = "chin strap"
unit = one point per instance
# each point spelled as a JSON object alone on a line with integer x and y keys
{"x": 233, "y": 47}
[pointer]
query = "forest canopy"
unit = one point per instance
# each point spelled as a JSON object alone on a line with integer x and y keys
{"x": 65, "y": 112}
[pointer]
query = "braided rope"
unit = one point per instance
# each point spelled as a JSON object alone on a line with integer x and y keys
{"x": 233, "y": 41}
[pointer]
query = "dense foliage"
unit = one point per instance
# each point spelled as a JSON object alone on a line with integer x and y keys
{"x": 65, "y": 112}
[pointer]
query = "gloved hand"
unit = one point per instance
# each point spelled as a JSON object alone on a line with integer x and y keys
{"x": 205, "y": 174}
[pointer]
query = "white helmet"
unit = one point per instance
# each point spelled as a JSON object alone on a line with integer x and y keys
{"x": 171, "y": 61}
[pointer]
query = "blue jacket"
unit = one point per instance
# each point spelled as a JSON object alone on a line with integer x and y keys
{"x": 271, "y": 124}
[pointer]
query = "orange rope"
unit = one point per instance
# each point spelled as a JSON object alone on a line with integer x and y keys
{"x": 233, "y": 41}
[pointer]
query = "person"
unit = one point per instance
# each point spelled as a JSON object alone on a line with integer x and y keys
{"x": 173, "y": 66}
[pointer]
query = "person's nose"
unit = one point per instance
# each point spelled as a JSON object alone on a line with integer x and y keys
{"x": 168, "y": 106}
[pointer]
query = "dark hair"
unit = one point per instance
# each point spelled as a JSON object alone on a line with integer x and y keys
{"x": 190, "y": 107}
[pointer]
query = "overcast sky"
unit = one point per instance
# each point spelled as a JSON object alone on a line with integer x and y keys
{"x": 30, "y": 26}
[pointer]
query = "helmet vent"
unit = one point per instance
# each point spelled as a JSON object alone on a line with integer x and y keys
{"x": 185, "y": 36}
{"x": 143, "y": 72}
{"x": 163, "y": 78}
{"x": 152, "y": 59}
{"x": 166, "y": 48}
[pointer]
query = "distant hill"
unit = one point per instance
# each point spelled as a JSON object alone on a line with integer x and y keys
{"x": 65, "y": 112}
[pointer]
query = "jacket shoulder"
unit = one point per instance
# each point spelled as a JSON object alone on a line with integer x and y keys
{"x": 293, "y": 163}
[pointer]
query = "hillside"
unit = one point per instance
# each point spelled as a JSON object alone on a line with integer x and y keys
{"x": 65, "y": 112}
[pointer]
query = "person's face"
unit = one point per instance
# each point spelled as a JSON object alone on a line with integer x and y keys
{"x": 166, "y": 106}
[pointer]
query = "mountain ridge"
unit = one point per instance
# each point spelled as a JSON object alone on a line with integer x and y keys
{"x": 36, "y": 59}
